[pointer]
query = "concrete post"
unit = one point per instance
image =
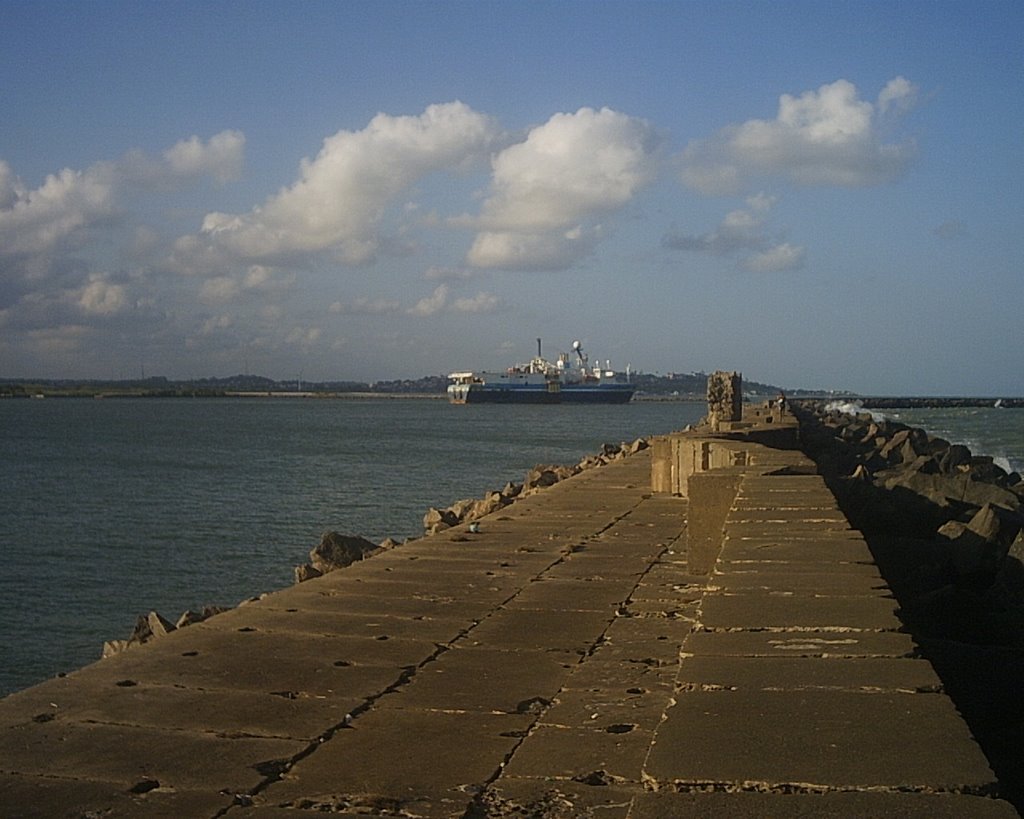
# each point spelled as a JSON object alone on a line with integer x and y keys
{"x": 725, "y": 398}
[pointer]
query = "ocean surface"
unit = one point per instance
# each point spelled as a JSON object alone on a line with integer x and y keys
{"x": 113, "y": 508}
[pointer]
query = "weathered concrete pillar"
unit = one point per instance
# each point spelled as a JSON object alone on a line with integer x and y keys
{"x": 711, "y": 497}
{"x": 725, "y": 398}
{"x": 661, "y": 465}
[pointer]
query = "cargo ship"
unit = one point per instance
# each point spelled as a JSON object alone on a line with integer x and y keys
{"x": 567, "y": 380}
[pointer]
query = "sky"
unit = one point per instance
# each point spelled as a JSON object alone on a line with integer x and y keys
{"x": 818, "y": 195}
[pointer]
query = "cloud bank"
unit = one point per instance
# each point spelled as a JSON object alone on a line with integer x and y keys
{"x": 824, "y": 137}
{"x": 339, "y": 200}
{"x": 449, "y": 191}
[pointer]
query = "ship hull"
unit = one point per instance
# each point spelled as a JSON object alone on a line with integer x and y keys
{"x": 568, "y": 394}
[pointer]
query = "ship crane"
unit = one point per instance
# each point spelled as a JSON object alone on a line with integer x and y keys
{"x": 577, "y": 347}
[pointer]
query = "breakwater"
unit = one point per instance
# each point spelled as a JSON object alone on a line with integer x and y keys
{"x": 726, "y": 646}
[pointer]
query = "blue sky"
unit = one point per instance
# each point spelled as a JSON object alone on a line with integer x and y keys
{"x": 821, "y": 195}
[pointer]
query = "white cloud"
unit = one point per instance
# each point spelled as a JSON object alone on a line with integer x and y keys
{"x": 743, "y": 230}
{"x": 532, "y": 251}
{"x": 544, "y": 189}
{"x": 365, "y": 306}
{"x": 37, "y": 223}
{"x": 448, "y": 273}
{"x": 434, "y": 303}
{"x": 480, "y": 303}
{"x": 101, "y": 298}
{"x": 739, "y": 230}
{"x": 303, "y": 336}
{"x": 440, "y": 301}
{"x": 340, "y": 197}
{"x": 220, "y": 158}
{"x": 824, "y": 137}
{"x": 34, "y": 222}
{"x": 899, "y": 93}
{"x": 215, "y": 324}
{"x": 776, "y": 259}
{"x": 218, "y": 290}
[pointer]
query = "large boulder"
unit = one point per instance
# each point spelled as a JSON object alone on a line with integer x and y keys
{"x": 437, "y": 520}
{"x": 543, "y": 475}
{"x": 149, "y": 626}
{"x": 335, "y": 551}
{"x": 979, "y": 547}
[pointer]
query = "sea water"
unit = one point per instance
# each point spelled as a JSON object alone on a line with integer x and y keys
{"x": 112, "y": 508}
{"x": 987, "y": 431}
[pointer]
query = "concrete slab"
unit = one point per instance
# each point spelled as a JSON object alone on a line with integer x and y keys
{"x": 623, "y": 674}
{"x": 805, "y": 673}
{"x": 314, "y": 621}
{"x": 810, "y": 550}
{"x": 605, "y": 753}
{"x": 657, "y": 587}
{"x": 749, "y": 578}
{"x": 268, "y": 663}
{"x": 573, "y": 594}
{"x": 416, "y": 601}
{"x": 816, "y": 563}
{"x": 576, "y": 631}
{"x": 837, "y": 805}
{"x": 829, "y": 518}
{"x": 287, "y": 714}
{"x": 609, "y": 709}
{"x": 50, "y": 797}
{"x": 131, "y": 756}
{"x": 596, "y": 565}
{"x": 486, "y": 679}
{"x": 645, "y": 635}
{"x": 825, "y": 739}
{"x": 797, "y": 643}
{"x": 757, "y": 611}
{"x": 394, "y": 757}
{"x": 542, "y": 797}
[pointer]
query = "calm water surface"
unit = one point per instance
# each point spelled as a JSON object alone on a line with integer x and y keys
{"x": 113, "y": 508}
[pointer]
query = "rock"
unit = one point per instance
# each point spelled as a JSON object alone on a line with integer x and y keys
{"x": 591, "y": 462}
{"x": 978, "y": 548}
{"x": 639, "y": 445}
{"x": 461, "y": 508}
{"x": 190, "y": 617}
{"x": 150, "y": 626}
{"x": 543, "y": 475}
{"x": 481, "y": 508}
{"x": 335, "y": 551}
{"x": 437, "y": 520}
{"x": 388, "y": 543}
{"x": 511, "y": 490}
{"x": 112, "y": 647}
{"x": 306, "y": 572}
{"x": 957, "y": 455}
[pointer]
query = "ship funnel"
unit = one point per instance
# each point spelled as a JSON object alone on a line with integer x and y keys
{"x": 538, "y": 349}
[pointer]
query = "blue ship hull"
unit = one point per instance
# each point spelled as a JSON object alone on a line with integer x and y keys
{"x": 542, "y": 394}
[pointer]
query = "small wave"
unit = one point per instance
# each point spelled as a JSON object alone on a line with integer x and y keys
{"x": 852, "y": 408}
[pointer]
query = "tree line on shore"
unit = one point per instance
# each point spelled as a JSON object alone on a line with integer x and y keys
{"x": 692, "y": 385}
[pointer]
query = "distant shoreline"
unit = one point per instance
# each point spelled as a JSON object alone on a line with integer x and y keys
{"x": 867, "y": 402}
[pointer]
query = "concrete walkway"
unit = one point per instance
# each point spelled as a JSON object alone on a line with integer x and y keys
{"x": 567, "y": 660}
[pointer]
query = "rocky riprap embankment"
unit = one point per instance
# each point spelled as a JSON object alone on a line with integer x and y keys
{"x": 336, "y": 550}
{"x": 538, "y": 478}
{"x": 958, "y": 515}
{"x": 945, "y": 527}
